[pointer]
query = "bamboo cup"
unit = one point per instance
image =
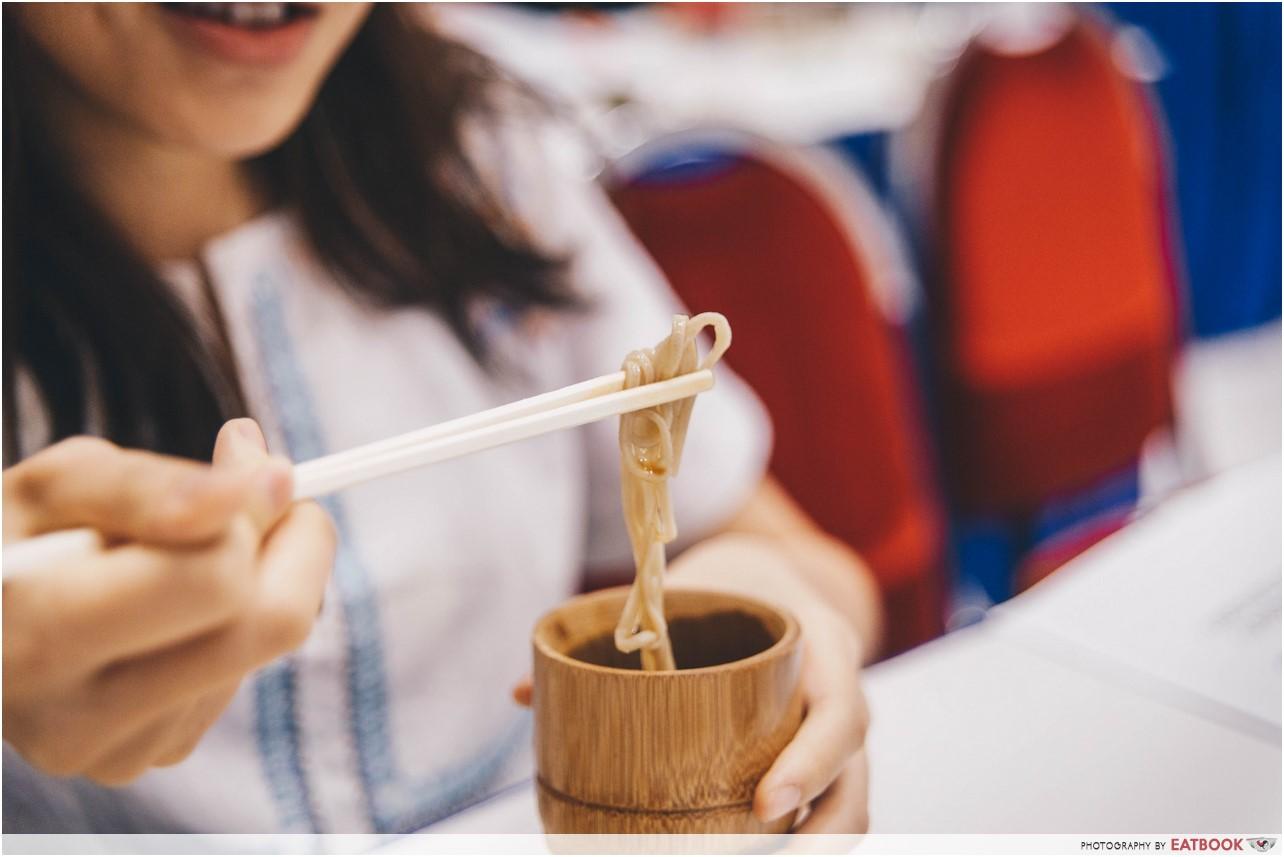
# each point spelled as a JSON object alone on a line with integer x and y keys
{"x": 619, "y": 750}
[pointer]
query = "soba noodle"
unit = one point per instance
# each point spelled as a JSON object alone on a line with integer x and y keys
{"x": 650, "y": 451}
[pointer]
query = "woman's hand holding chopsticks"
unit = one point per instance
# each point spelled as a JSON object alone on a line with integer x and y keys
{"x": 119, "y": 660}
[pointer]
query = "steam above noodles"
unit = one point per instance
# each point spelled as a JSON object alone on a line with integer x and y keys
{"x": 650, "y": 452}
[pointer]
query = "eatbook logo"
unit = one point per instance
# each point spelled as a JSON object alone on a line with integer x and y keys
{"x": 1261, "y": 843}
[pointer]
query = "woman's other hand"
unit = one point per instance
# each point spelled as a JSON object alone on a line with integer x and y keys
{"x": 120, "y": 662}
{"x": 823, "y": 768}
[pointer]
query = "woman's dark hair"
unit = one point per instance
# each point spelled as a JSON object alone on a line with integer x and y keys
{"x": 380, "y": 180}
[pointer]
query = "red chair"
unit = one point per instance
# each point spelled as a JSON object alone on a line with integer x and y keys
{"x": 1053, "y": 303}
{"x": 797, "y": 268}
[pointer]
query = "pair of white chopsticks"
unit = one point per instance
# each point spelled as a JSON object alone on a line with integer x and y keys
{"x": 576, "y": 405}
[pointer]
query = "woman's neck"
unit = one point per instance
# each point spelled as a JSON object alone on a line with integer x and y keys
{"x": 168, "y": 200}
{"x": 168, "y": 203}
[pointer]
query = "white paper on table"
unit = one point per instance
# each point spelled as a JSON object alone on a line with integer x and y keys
{"x": 975, "y": 733}
{"x": 1227, "y": 396}
{"x": 1185, "y": 601}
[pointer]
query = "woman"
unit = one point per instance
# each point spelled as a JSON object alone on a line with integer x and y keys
{"x": 335, "y": 221}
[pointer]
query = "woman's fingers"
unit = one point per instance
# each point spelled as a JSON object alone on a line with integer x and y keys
{"x": 131, "y": 756}
{"x": 293, "y": 569}
{"x": 164, "y": 740}
{"x": 136, "y": 598}
{"x": 127, "y": 601}
{"x": 523, "y": 692}
{"x": 832, "y": 731}
{"x": 105, "y": 709}
{"x": 844, "y": 808}
{"x": 112, "y": 708}
{"x": 241, "y": 446}
{"x": 195, "y": 723}
{"x": 809, "y": 764}
{"x": 239, "y": 442}
{"x": 132, "y": 495}
{"x": 122, "y": 661}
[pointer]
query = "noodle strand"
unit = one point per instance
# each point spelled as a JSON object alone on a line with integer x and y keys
{"x": 651, "y": 442}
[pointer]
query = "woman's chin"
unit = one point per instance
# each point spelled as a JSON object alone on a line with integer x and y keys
{"x": 238, "y": 137}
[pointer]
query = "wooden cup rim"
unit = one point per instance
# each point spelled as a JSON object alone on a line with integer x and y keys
{"x": 780, "y": 648}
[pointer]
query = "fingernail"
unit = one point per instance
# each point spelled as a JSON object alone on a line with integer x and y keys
{"x": 780, "y": 801}
{"x": 247, "y": 430}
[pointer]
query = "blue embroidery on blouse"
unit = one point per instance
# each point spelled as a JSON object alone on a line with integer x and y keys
{"x": 276, "y": 733}
{"x": 448, "y": 791}
{"x": 367, "y": 687}
{"x": 393, "y": 803}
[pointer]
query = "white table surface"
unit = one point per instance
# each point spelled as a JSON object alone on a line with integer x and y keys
{"x": 1118, "y": 697}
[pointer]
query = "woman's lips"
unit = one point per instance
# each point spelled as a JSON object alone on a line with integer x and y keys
{"x": 247, "y": 33}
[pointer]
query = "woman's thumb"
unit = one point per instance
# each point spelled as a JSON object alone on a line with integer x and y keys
{"x": 241, "y": 445}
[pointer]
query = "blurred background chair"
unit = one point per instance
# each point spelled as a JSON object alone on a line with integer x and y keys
{"x": 792, "y": 248}
{"x": 1053, "y": 308}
